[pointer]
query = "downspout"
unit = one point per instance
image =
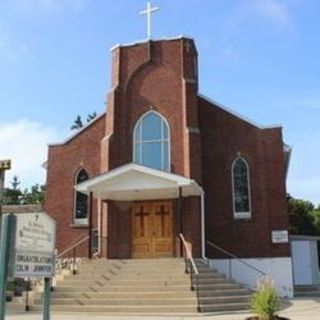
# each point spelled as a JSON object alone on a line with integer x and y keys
{"x": 203, "y": 235}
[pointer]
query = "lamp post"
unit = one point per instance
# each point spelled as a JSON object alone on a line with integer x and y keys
{"x": 4, "y": 165}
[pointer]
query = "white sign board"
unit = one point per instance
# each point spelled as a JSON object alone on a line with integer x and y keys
{"x": 280, "y": 236}
{"x": 35, "y": 239}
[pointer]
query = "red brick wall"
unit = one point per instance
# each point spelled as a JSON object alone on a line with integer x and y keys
{"x": 64, "y": 161}
{"x": 205, "y": 140}
{"x": 160, "y": 76}
{"x": 223, "y": 137}
{"x": 154, "y": 75}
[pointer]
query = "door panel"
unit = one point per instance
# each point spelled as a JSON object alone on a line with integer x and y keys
{"x": 163, "y": 240}
{"x": 142, "y": 230}
{"x": 152, "y": 229}
{"x": 302, "y": 261}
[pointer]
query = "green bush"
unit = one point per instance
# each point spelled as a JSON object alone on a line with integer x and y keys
{"x": 265, "y": 302}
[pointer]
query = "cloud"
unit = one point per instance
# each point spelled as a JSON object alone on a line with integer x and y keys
{"x": 51, "y": 6}
{"x": 25, "y": 143}
{"x": 274, "y": 12}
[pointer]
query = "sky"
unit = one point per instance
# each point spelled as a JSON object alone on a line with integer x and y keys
{"x": 258, "y": 57}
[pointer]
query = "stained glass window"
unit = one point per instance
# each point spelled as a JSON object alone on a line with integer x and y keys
{"x": 241, "y": 188}
{"x": 81, "y": 201}
{"x": 151, "y": 142}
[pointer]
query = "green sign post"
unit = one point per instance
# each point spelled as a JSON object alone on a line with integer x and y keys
{"x": 6, "y": 240}
{"x": 27, "y": 245}
{"x": 46, "y": 299}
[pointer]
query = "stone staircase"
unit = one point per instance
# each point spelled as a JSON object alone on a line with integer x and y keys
{"x": 307, "y": 291}
{"x": 148, "y": 286}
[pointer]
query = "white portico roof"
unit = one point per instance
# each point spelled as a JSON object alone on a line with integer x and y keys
{"x": 133, "y": 182}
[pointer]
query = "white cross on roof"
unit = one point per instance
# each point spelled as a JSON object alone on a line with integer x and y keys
{"x": 148, "y": 12}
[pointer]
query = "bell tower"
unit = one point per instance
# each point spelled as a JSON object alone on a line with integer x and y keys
{"x": 155, "y": 75}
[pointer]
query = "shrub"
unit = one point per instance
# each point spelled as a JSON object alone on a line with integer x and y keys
{"x": 265, "y": 302}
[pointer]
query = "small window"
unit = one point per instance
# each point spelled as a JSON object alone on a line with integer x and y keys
{"x": 81, "y": 200}
{"x": 241, "y": 189}
{"x": 151, "y": 143}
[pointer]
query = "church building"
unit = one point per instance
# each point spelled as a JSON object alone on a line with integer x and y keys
{"x": 163, "y": 161}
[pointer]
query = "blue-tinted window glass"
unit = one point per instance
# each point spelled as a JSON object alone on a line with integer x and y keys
{"x": 151, "y": 127}
{"x": 151, "y": 142}
{"x": 151, "y": 155}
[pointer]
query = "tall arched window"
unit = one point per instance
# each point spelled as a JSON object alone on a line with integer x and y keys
{"x": 81, "y": 200}
{"x": 151, "y": 142}
{"x": 241, "y": 188}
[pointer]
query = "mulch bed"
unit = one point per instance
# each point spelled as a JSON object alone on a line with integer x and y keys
{"x": 275, "y": 318}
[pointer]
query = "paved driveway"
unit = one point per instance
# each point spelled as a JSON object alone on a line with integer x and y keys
{"x": 297, "y": 309}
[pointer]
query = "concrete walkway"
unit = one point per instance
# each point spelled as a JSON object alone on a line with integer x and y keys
{"x": 297, "y": 309}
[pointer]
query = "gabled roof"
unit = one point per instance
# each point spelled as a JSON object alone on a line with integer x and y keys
{"x": 135, "y": 182}
{"x": 243, "y": 118}
{"x": 78, "y": 132}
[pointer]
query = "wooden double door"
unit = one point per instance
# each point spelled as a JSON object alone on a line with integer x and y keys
{"x": 152, "y": 229}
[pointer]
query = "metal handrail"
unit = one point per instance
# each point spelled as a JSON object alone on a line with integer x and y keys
{"x": 192, "y": 269}
{"x": 73, "y": 246}
{"x": 189, "y": 255}
{"x": 235, "y": 257}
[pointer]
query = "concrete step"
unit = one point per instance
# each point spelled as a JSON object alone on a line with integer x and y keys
{"x": 220, "y": 286}
{"x": 129, "y": 276}
{"x": 105, "y": 271}
{"x": 207, "y": 281}
{"x": 307, "y": 291}
{"x": 223, "y": 292}
{"x": 119, "y": 295}
{"x": 224, "y": 307}
{"x": 122, "y": 302}
{"x": 306, "y": 288}
{"x": 146, "y": 286}
{"x": 121, "y": 288}
{"x": 130, "y": 309}
{"x": 224, "y": 299}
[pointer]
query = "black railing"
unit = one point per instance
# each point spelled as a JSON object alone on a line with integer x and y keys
{"x": 191, "y": 268}
{"x": 231, "y": 255}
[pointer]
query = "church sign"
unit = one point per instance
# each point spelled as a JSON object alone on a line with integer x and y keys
{"x": 34, "y": 246}
{"x": 280, "y": 236}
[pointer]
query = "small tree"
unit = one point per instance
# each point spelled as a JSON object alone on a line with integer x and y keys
{"x": 12, "y": 195}
{"x": 36, "y": 195}
{"x": 265, "y": 303}
{"x": 91, "y": 116}
{"x": 78, "y": 123}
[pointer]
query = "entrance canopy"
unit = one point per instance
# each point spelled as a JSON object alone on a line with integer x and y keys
{"x": 133, "y": 182}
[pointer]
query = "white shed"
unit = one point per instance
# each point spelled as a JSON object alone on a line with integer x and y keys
{"x": 305, "y": 252}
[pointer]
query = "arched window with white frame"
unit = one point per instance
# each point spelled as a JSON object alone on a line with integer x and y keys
{"x": 81, "y": 200}
{"x": 151, "y": 141}
{"x": 241, "y": 189}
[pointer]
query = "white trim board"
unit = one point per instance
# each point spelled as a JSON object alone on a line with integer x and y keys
{"x": 119, "y": 45}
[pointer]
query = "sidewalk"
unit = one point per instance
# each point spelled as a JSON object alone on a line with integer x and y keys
{"x": 297, "y": 309}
